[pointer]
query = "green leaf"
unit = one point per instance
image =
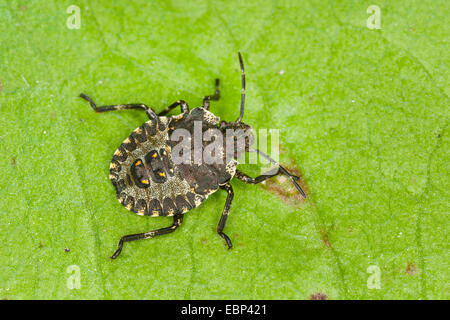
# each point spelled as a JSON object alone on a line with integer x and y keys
{"x": 362, "y": 114}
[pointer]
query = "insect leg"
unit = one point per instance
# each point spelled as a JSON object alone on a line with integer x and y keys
{"x": 223, "y": 219}
{"x": 215, "y": 96}
{"x": 184, "y": 107}
{"x": 177, "y": 219}
{"x": 140, "y": 106}
{"x": 247, "y": 179}
{"x": 281, "y": 170}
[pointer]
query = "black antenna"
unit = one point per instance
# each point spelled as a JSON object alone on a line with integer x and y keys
{"x": 283, "y": 171}
{"x": 241, "y": 62}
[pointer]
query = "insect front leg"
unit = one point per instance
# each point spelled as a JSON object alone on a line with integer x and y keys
{"x": 247, "y": 179}
{"x": 151, "y": 114}
{"x": 281, "y": 170}
{"x": 184, "y": 107}
{"x": 177, "y": 220}
{"x": 214, "y": 97}
{"x": 223, "y": 219}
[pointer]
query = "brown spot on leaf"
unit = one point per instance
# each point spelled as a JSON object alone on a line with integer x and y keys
{"x": 411, "y": 269}
{"x": 204, "y": 241}
{"x": 283, "y": 187}
{"x": 13, "y": 162}
{"x": 318, "y": 296}
{"x": 325, "y": 239}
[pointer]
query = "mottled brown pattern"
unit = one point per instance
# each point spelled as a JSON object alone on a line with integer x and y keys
{"x": 205, "y": 178}
{"x": 147, "y": 181}
{"x": 154, "y": 208}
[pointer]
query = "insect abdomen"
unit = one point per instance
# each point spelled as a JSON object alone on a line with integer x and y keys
{"x": 145, "y": 178}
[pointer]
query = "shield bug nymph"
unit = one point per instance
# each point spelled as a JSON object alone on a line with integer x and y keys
{"x": 148, "y": 180}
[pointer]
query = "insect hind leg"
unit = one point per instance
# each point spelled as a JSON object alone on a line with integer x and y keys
{"x": 138, "y": 106}
{"x": 177, "y": 220}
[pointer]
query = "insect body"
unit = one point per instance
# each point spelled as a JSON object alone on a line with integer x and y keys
{"x": 150, "y": 180}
